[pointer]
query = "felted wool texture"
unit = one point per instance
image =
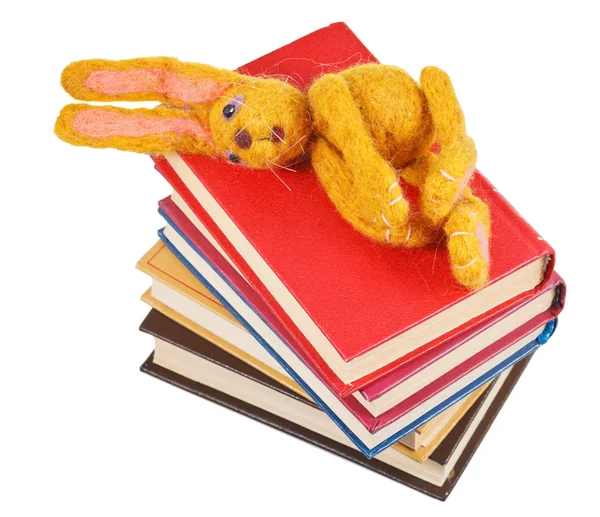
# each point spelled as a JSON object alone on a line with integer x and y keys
{"x": 373, "y": 119}
{"x": 161, "y": 130}
{"x": 448, "y": 117}
{"x": 362, "y": 132}
{"x": 448, "y": 176}
{"x": 367, "y": 129}
{"x": 467, "y": 231}
{"x": 364, "y": 185}
{"x": 394, "y": 109}
{"x": 270, "y": 125}
{"x": 455, "y": 163}
{"x": 275, "y": 116}
{"x": 415, "y": 172}
{"x": 333, "y": 169}
{"x": 162, "y": 79}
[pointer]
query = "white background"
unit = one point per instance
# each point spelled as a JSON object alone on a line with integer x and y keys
{"x": 84, "y": 433}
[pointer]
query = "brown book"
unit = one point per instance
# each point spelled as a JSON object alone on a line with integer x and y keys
{"x": 467, "y": 434}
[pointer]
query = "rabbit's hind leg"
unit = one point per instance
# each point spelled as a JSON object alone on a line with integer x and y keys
{"x": 467, "y": 230}
{"x": 363, "y": 186}
{"x": 377, "y": 217}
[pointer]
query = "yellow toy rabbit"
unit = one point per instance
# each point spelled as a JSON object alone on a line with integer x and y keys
{"x": 366, "y": 129}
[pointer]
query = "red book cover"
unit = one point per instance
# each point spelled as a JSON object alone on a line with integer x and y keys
{"x": 360, "y": 294}
{"x": 381, "y": 386}
{"x": 372, "y": 423}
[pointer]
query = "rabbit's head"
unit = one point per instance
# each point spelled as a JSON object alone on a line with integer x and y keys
{"x": 253, "y": 121}
{"x": 260, "y": 122}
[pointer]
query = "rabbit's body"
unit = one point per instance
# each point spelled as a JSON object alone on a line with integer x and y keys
{"x": 394, "y": 111}
{"x": 365, "y": 128}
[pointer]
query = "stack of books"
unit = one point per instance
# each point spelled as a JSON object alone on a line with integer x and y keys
{"x": 265, "y": 301}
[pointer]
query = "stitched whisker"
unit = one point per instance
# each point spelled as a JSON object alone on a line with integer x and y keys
{"x": 277, "y": 176}
{"x": 245, "y": 128}
{"x": 291, "y": 147}
{"x": 282, "y": 166}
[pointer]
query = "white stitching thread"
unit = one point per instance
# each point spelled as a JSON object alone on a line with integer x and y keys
{"x": 394, "y": 201}
{"x": 384, "y": 219}
{"x": 387, "y": 235}
{"x": 447, "y": 176}
{"x": 467, "y": 265}
{"x": 461, "y": 233}
{"x": 409, "y": 232}
{"x": 393, "y": 186}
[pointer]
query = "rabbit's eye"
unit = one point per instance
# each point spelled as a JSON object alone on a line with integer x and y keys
{"x": 233, "y": 107}
{"x": 232, "y": 157}
{"x": 229, "y": 111}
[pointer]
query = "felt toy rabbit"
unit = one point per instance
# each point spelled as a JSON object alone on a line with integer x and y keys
{"x": 367, "y": 129}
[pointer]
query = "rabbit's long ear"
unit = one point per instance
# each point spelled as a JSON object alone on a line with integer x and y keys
{"x": 159, "y": 131}
{"x": 162, "y": 79}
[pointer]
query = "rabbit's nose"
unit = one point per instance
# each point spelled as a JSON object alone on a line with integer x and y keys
{"x": 243, "y": 139}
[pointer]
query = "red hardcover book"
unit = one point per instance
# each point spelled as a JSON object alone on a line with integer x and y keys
{"x": 394, "y": 379}
{"x": 352, "y": 298}
{"x": 551, "y": 301}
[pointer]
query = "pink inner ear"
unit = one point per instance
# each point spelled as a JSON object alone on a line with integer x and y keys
{"x": 173, "y": 86}
{"x": 99, "y": 123}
